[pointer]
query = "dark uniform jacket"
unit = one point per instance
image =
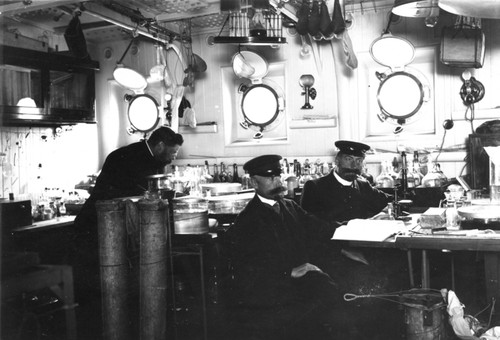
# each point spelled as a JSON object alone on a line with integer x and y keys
{"x": 123, "y": 174}
{"x": 266, "y": 248}
{"x": 328, "y": 199}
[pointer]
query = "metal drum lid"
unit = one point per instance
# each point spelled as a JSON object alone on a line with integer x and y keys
{"x": 482, "y": 212}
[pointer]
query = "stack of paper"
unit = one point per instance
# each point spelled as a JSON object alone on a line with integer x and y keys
{"x": 369, "y": 230}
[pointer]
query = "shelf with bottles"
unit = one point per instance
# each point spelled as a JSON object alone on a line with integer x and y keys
{"x": 253, "y": 26}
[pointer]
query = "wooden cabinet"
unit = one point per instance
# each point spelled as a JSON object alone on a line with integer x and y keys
{"x": 41, "y": 88}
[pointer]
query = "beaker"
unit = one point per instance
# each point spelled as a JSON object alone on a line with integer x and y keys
{"x": 494, "y": 155}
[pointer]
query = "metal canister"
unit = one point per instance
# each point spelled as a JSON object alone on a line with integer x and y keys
{"x": 190, "y": 215}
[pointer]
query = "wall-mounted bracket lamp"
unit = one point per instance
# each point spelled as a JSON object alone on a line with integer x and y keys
{"x": 307, "y": 81}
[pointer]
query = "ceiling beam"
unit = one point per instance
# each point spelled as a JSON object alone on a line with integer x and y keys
{"x": 20, "y": 7}
{"x": 212, "y": 8}
{"x": 160, "y": 34}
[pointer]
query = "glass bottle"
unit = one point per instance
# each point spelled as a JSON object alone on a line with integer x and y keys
{"x": 216, "y": 174}
{"x": 236, "y": 177}
{"x": 432, "y": 179}
{"x": 62, "y": 208}
{"x": 285, "y": 166}
{"x": 394, "y": 169}
{"x": 297, "y": 168}
{"x": 245, "y": 181}
{"x": 205, "y": 175}
{"x": 384, "y": 180}
{"x": 441, "y": 174}
{"x": 223, "y": 173}
{"x": 302, "y": 176}
{"x": 229, "y": 174}
{"x": 452, "y": 217}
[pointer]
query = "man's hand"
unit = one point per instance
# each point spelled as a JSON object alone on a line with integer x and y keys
{"x": 303, "y": 269}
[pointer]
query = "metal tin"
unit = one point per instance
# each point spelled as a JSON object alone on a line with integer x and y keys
{"x": 190, "y": 215}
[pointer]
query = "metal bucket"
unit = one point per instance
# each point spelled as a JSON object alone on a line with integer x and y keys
{"x": 190, "y": 216}
{"x": 424, "y": 316}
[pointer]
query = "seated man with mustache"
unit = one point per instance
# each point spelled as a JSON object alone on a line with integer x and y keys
{"x": 344, "y": 194}
{"x": 277, "y": 287}
{"x": 341, "y": 196}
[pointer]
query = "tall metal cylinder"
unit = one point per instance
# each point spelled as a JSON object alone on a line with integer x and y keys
{"x": 112, "y": 237}
{"x": 154, "y": 217}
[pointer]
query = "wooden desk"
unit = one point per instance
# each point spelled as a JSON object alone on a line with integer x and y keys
{"x": 58, "y": 222}
{"x": 487, "y": 244}
{"x": 490, "y": 247}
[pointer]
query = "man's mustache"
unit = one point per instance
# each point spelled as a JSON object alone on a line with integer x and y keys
{"x": 352, "y": 171}
{"x": 278, "y": 190}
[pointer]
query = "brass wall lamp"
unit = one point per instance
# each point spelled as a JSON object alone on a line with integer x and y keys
{"x": 307, "y": 81}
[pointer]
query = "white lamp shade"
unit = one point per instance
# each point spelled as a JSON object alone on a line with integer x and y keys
{"x": 129, "y": 79}
{"x": 416, "y": 9}
{"x": 489, "y": 9}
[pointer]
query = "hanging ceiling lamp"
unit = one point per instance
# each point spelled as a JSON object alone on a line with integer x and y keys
{"x": 128, "y": 78}
{"x": 489, "y": 9}
{"x": 416, "y": 8}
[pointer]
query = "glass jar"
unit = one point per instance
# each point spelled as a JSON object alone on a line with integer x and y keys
{"x": 435, "y": 177}
{"x": 452, "y": 218}
{"x": 384, "y": 180}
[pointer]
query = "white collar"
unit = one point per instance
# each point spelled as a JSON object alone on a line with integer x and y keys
{"x": 341, "y": 180}
{"x": 149, "y": 148}
{"x": 266, "y": 200}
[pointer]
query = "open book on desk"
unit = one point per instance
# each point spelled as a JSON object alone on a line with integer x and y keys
{"x": 369, "y": 230}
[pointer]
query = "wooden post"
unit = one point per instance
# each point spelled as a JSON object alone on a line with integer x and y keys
{"x": 154, "y": 218}
{"x": 114, "y": 269}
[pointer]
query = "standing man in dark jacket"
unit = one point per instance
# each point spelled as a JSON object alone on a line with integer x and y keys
{"x": 123, "y": 174}
{"x": 271, "y": 239}
{"x": 344, "y": 194}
